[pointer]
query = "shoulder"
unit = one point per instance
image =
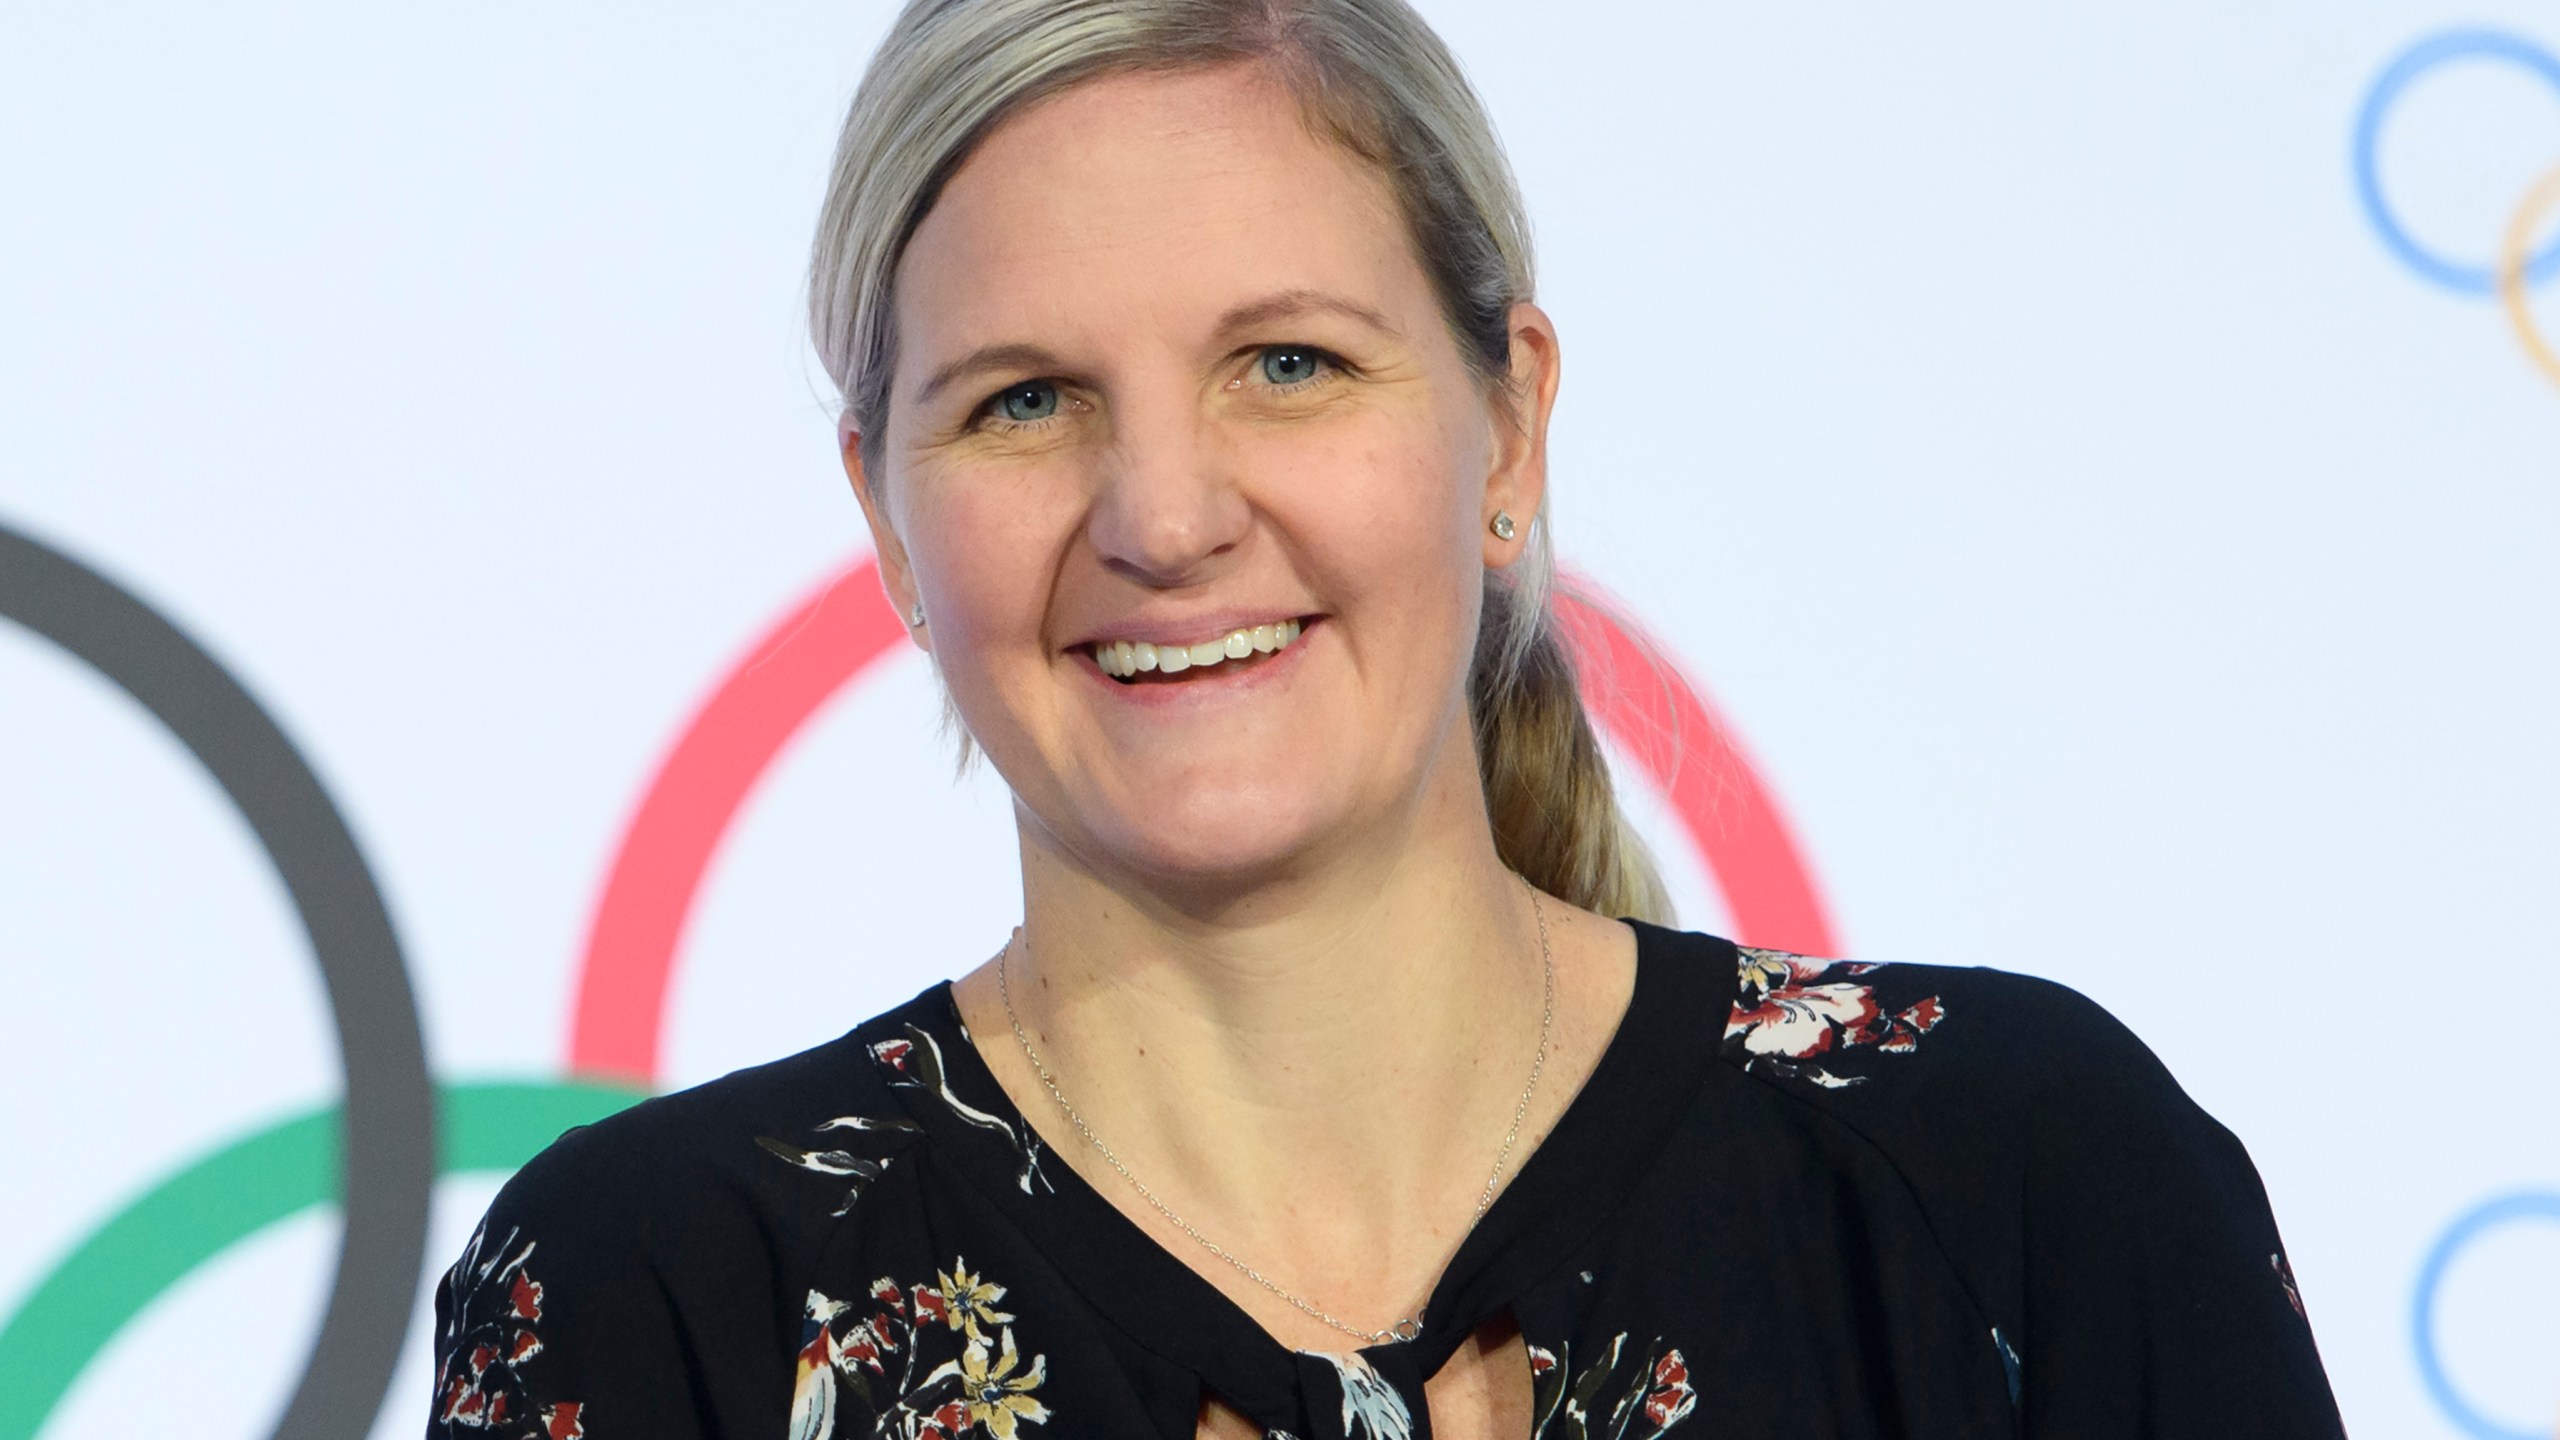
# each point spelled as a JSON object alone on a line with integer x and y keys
{"x": 1965, "y": 1076}
{"x": 2111, "y": 1232}
{"x": 748, "y": 1167}
{"x": 684, "y": 1157}
{"x": 1955, "y": 1033}
{"x": 643, "y": 1263}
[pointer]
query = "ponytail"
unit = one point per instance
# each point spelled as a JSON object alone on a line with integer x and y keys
{"x": 1546, "y": 785}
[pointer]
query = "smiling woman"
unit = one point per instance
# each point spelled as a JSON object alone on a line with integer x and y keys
{"x": 1196, "y": 399}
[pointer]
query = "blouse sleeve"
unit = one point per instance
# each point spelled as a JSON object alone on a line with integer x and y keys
{"x": 2158, "y": 1300}
{"x": 598, "y": 1296}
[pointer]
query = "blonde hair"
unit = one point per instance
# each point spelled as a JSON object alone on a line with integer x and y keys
{"x": 1372, "y": 76}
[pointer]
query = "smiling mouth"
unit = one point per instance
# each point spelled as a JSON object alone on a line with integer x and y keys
{"x": 1137, "y": 662}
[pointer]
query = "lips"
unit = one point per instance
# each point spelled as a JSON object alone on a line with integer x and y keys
{"x": 1126, "y": 660}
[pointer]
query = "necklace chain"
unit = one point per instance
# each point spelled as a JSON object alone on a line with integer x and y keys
{"x": 1406, "y": 1328}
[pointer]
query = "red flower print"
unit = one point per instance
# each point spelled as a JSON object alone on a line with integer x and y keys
{"x": 493, "y": 1304}
{"x": 1783, "y": 1017}
{"x": 1670, "y": 1399}
{"x": 915, "y": 1062}
{"x": 463, "y": 1406}
{"x": 918, "y": 1364}
{"x": 1911, "y": 1024}
{"x": 864, "y": 1345}
{"x": 1620, "y": 1392}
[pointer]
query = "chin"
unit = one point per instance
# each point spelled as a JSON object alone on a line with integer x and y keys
{"x": 1215, "y": 843}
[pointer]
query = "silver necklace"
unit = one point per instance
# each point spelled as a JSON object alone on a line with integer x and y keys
{"x": 1407, "y": 1328}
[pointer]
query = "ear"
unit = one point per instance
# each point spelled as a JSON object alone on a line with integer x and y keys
{"x": 896, "y": 576}
{"x": 1518, "y": 484}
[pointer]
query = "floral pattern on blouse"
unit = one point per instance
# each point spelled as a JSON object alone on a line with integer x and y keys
{"x": 914, "y": 1062}
{"x": 839, "y": 1161}
{"x": 1371, "y": 1408}
{"x": 1793, "y": 1008}
{"x": 915, "y": 1363}
{"x": 1609, "y": 1400}
{"x": 496, "y": 1309}
{"x": 2284, "y": 1277}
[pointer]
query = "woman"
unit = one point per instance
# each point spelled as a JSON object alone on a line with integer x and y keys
{"x": 1197, "y": 404}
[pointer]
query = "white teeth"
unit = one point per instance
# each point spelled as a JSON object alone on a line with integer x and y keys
{"x": 1125, "y": 658}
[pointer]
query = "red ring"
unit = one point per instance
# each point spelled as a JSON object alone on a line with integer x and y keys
{"x": 845, "y": 626}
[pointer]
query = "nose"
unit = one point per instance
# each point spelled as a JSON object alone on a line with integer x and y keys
{"x": 1169, "y": 502}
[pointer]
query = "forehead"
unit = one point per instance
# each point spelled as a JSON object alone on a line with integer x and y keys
{"x": 1156, "y": 196}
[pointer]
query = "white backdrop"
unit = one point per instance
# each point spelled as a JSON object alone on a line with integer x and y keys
{"x": 2123, "y": 563}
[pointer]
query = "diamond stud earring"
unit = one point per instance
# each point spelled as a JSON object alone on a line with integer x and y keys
{"x": 915, "y": 616}
{"x": 1503, "y": 528}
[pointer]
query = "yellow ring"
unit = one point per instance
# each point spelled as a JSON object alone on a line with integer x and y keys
{"x": 2511, "y": 265}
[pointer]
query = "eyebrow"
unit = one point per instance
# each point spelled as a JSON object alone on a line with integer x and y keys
{"x": 1015, "y": 357}
{"x": 1021, "y": 357}
{"x": 1290, "y": 304}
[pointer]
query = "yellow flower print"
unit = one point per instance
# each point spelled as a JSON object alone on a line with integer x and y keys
{"x": 1763, "y": 969}
{"x": 970, "y": 1300}
{"x": 997, "y": 1397}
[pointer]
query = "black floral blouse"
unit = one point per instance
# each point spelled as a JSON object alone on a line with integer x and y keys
{"x": 1797, "y": 1198}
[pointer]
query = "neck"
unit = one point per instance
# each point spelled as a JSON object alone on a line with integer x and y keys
{"x": 1314, "y": 996}
{"x": 1359, "y": 1032}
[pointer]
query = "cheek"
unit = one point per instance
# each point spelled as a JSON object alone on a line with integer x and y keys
{"x": 984, "y": 551}
{"x": 1385, "y": 513}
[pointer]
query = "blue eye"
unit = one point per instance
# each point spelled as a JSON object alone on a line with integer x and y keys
{"x": 1291, "y": 364}
{"x": 1029, "y": 401}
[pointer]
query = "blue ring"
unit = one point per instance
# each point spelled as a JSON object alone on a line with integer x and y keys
{"x": 2413, "y": 62}
{"x": 2528, "y": 1206}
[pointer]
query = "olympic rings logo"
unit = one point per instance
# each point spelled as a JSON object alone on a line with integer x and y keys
{"x": 2509, "y": 277}
{"x": 2517, "y": 266}
{"x": 380, "y": 1153}
{"x": 388, "y": 1129}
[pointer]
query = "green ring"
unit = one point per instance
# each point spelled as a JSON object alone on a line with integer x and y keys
{"x": 232, "y": 1194}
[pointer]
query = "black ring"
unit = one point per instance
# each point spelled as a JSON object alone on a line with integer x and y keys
{"x": 388, "y": 1150}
